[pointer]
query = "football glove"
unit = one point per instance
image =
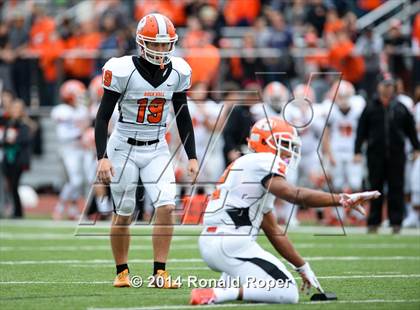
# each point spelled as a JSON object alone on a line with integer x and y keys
{"x": 308, "y": 278}
{"x": 355, "y": 200}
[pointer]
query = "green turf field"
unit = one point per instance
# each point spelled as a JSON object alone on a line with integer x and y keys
{"x": 45, "y": 266}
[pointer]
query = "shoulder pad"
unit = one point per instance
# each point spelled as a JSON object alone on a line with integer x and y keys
{"x": 116, "y": 72}
{"x": 184, "y": 71}
{"x": 271, "y": 164}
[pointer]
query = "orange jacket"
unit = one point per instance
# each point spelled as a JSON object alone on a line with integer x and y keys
{"x": 237, "y": 10}
{"x": 40, "y": 32}
{"x": 204, "y": 62}
{"x": 82, "y": 67}
{"x": 341, "y": 59}
{"x": 49, "y": 54}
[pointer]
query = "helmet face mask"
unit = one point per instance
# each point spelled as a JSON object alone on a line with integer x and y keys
{"x": 287, "y": 147}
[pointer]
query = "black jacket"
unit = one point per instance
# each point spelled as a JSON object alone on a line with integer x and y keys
{"x": 19, "y": 152}
{"x": 237, "y": 129}
{"x": 385, "y": 130}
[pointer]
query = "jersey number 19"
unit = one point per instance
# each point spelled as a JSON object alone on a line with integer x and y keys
{"x": 155, "y": 108}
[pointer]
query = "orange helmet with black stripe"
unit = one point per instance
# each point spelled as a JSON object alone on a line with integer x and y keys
{"x": 156, "y": 37}
{"x": 274, "y": 135}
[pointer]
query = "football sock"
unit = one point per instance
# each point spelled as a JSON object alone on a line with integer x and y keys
{"x": 226, "y": 294}
{"x": 121, "y": 268}
{"x": 158, "y": 266}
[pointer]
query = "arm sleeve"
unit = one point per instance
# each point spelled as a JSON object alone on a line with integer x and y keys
{"x": 106, "y": 108}
{"x": 184, "y": 123}
{"x": 229, "y": 132}
{"x": 361, "y": 133}
{"x": 410, "y": 129}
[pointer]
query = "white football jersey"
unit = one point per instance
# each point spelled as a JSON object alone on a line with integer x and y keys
{"x": 208, "y": 141}
{"x": 343, "y": 130}
{"x": 240, "y": 189}
{"x": 143, "y": 107}
{"x": 202, "y": 134}
{"x": 70, "y": 121}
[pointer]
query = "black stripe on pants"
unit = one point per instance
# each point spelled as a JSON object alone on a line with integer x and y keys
{"x": 267, "y": 266}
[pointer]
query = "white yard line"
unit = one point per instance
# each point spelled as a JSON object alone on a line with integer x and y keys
{"x": 188, "y": 228}
{"x": 199, "y": 260}
{"x": 72, "y": 236}
{"x": 242, "y": 305}
{"x": 186, "y": 280}
{"x": 85, "y": 248}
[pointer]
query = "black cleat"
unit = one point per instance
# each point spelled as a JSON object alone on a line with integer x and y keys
{"x": 324, "y": 296}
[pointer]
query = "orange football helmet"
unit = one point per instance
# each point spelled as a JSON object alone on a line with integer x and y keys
{"x": 72, "y": 92}
{"x": 156, "y": 28}
{"x": 274, "y": 135}
{"x": 276, "y": 95}
{"x": 95, "y": 89}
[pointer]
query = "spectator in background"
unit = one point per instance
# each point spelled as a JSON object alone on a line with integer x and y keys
{"x": 394, "y": 44}
{"x": 110, "y": 44}
{"x": 19, "y": 36}
{"x": 51, "y": 51}
{"x": 245, "y": 67}
{"x": 333, "y": 22}
{"x": 5, "y": 104}
{"x": 281, "y": 39}
{"x": 45, "y": 43}
{"x": 241, "y": 13}
{"x": 261, "y": 32}
{"x": 384, "y": 125}
{"x": 118, "y": 11}
{"x": 317, "y": 15}
{"x": 175, "y": 10}
{"x": 295, "y": 16}
{"x": 370, "y": 46}
{"x": 239, "y": 124}
{"x": 6, "y": 57}
{"x": 415, "y": 42}
{"x": 17, "y": 149}
{"x": 202, "y": 56}
{"x": 212, "y": 22}
{"x": 83, "y": 43}
{"x": 342, "y": 58}
{"x": 281, "y": 35}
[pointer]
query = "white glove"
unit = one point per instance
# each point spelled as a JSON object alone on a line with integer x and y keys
{"x": 355, "y": 200}
{"x": 308, "y": 278}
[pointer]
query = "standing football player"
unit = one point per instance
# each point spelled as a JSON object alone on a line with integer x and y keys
{"x": 339, "y": 137}
{"x": 143, "y": 86}
{"x": 241, "y": 206}
{"x": 72, "y": 118}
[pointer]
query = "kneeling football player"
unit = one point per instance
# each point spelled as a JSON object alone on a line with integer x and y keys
{"x": 243, "y": 203}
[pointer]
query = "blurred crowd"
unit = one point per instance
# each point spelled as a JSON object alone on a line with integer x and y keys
{"x": 45, "y": 45}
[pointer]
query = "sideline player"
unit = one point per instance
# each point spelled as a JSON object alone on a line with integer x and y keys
{"x": 72, "y": 118}
{"x": 242, "y": 204}
{"x": 339, "y": 137}
{"x": 144, "y": 86}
